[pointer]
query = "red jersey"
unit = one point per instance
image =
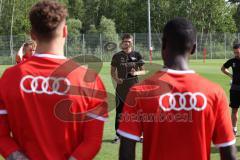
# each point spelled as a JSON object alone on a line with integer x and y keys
{"x": 50, "y": 109}
{"x": 25, "y": 57}
{"x": 179, "y": 114}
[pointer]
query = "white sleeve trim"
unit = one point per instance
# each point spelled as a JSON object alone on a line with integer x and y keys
{"x": 128, "y": 135}
{"x": 226, "y": 144}
{"x": 94, "y": 116}
{"x": 3, "y": 111}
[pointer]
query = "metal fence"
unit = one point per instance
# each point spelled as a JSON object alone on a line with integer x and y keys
{"x": 216, "y": 45}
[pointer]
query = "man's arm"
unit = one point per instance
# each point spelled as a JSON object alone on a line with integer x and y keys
{"x": 141, "y": 62}
{"x": 92, "y": 140}
{"x": 95, "y": 115}
{"x": 7, "y": 144}
{"x": 228, "y": 153}
{"x": 8, "y": 147}
{"x": 226, "y": 71}
{"x": 114, "y": 75}
{"x": 127, "y": 149}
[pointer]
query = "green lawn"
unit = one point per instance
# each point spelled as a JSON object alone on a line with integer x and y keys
{"x": 210, "y": 70}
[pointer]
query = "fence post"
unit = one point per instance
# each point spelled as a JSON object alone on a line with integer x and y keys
{"x": 101, "y": 45}
{"x": 11, "y": 48}
{"x": 211, "y": 45}
{"x": 196, "y": 47}
{"x": 134, "y": 37}
{"x": 225, "y": 45}
{"x": 83, "y": 49}
{"x": 117, "y": 43}
{"x": 238, "y": 36}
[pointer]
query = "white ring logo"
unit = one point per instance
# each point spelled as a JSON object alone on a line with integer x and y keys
{"x": 45, "y": 85}
{"x": 193, "y": 101}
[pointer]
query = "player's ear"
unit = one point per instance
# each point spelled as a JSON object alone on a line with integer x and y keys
{"x": 65, "y": 31}
{"x": 193, "y": 48}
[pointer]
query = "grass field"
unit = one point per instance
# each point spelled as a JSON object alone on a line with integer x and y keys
{"x": 210, "y": 70}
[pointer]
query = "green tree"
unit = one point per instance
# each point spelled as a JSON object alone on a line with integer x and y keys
{"x": 234, "y": 1}
{"x": 236, "y": 15}
{"x": 108, "y": 29}
{"x": 76, "y": 9}
{"x": 91, "y": 14}
{"x": 214, "y": 15}
{"x": 73, "y": 41}
{"x": 207, "y": 16}
{"x": 20, "y": 13}
{"x": 130, "y": 15}
{"x": 74, "y": 27}
{"x": 92, "y": 29}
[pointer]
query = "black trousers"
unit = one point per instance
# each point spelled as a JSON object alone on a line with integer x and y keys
{"x": 121, "y": 94}
{"x": 119, "y": 109}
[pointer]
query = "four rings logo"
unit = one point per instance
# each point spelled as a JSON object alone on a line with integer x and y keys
{"x": 45, "y": 85}
{"x": 183, "y": 101}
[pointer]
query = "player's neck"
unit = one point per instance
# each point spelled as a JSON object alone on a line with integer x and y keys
{"x": 177, "y": 63}
{"x": 237, "y": 57}
{"x": 127, "y": 51}
{"x": 50, "y": 48}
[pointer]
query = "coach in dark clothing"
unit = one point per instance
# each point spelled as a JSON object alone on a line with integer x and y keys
{"x": 234, "y": 63}
{"x": 123, "y": 70}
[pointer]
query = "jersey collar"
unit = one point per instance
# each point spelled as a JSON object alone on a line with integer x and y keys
{"x": 54, "y": 56}
{"x": 177, "y": 71}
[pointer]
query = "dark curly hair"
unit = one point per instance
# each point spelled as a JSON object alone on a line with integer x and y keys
{"x": 45, "y": 16}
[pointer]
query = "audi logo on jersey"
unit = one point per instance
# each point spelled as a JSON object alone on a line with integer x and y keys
{"x": 183, "y": 101}
{"x": 45, "y": 85}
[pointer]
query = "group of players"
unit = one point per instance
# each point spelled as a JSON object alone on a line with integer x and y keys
{"x": 49, "y": 111}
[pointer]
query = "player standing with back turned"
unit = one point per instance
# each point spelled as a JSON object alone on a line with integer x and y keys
{"x": 191, "y": 94}
{"x": 37, "y": 122}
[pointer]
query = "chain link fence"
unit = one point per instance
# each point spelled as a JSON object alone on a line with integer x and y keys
{"x": 215, "y": 45}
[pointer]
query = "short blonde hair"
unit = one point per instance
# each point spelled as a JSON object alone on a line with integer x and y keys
{"x": 29, "y": 43}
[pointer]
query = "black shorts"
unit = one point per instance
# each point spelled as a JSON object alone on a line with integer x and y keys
{"x": 234, "y": 99}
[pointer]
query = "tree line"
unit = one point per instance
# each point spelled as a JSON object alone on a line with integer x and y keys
{"x": 121, "y": 16}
